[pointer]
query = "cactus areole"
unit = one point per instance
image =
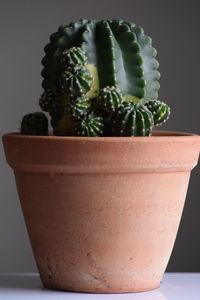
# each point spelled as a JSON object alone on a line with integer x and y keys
{"x": 101, "y": 70}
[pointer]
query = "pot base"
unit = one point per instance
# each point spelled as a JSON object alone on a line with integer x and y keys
{"x": 110, "y": 290}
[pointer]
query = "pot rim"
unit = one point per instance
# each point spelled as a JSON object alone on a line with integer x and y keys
{"x": 87, "y": 155}
{"x": 158, "y": 135}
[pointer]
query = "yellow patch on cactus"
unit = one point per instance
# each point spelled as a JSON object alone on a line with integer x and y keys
{"x": 65, "y": 126}
{"x": 94, "y": 91}
{"x": 131, "y": 98}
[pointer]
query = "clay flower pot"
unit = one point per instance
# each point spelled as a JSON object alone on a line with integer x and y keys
{"x": 102, "y": 213}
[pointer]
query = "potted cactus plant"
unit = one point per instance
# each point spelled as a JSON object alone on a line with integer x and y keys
{"x": 102, "y": 195}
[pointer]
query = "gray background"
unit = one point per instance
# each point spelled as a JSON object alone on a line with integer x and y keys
{"x": 24, "y": 30}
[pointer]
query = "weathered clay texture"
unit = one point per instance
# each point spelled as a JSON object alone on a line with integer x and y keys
{"x": 102, "y": 213}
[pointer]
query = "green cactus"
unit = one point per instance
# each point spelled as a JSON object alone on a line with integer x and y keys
{"x": 109, "y": 99}
{"x": 160, "y": 111}
{"x": 84, "y": 58}
{"x": 76, "y": 81}
{"x": 118, "y": 53}
{"x": 74, "y": 56}
{"x": 78, "y": 106}
{"x": 89, "y": 125}
{"x": 50, "y": 100}
{"x": 132, "y": 120}
{"x": 34, "y": 124}
{"x": 100, "y": 78}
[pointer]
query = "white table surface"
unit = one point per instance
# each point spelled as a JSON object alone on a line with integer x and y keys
{"x": 175, "y": 286}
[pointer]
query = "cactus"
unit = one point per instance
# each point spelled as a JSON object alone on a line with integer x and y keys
{"x": 109, "y": 99}
{"x": 89, "y": 125}
{"x": 120, "y": 51}
{"x": 160, "y": 111}
{"x": 50, "y": 100}
{"x": 34, "y": 124}
{"x": 73, "y": 57}
{"x": 132, "y": 120}
{"x": 76, "y": 81}
{"x": 100, "y": 78}
{"x": 78, "y": 106}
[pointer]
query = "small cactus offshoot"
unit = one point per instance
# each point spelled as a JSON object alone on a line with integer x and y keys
{"x": 101, "y": 78}
{"x": 34, "y": 124}
{"x": 78, "y": 106}
{"x": 132, "y": 120}
{"x": 76, "y": 81}
{"x": 109, "y": 99}
{"x": 50, "y": 101}
{"x": 74, "y": 56}
{"x": 89, "y": 125}
{"x": 160, "y": 111}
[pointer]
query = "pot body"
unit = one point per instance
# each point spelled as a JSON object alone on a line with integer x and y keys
{"x": 102, "y": 213}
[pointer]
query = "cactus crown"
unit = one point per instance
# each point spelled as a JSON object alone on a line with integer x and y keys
{"x": 99, "y": 77}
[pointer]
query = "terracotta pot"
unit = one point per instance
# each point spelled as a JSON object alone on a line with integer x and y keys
{"x": 102, "y": 213}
